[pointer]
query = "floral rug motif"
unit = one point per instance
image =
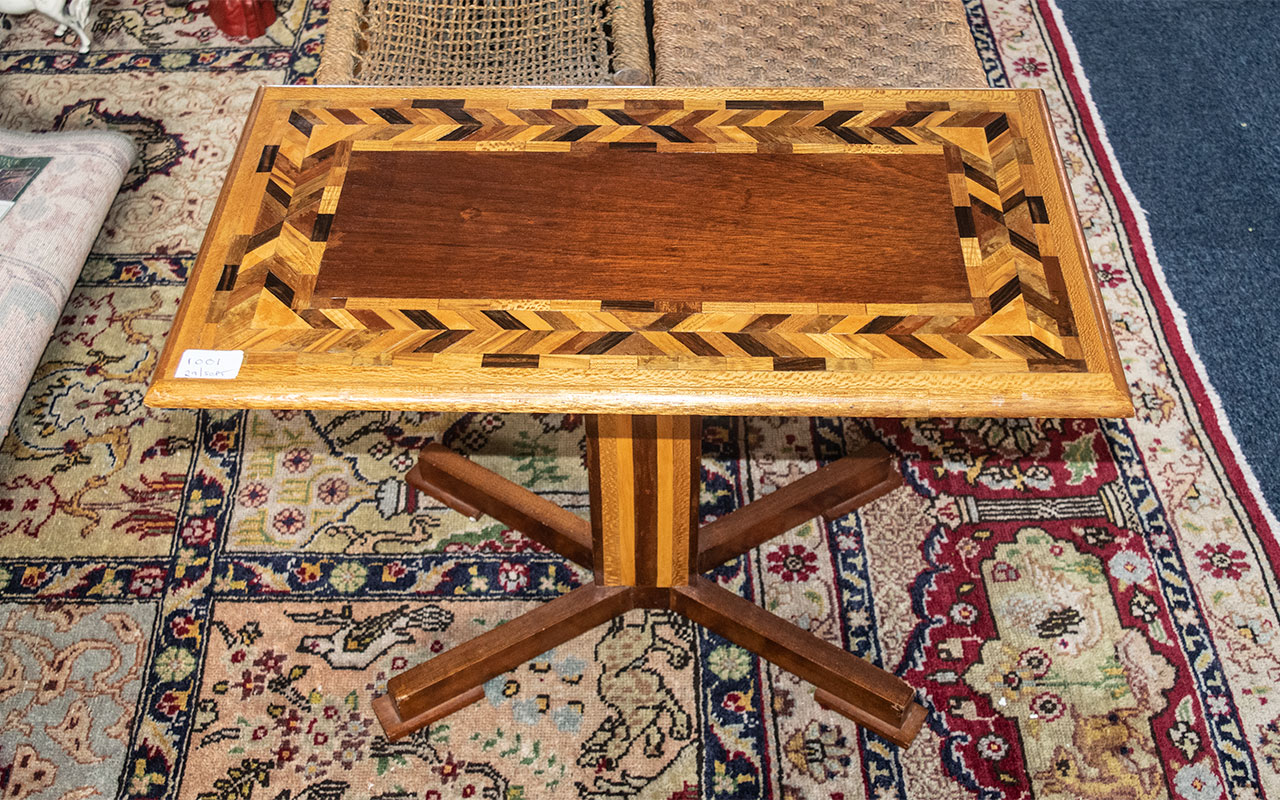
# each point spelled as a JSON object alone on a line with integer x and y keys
{"x": 202, "y": 605}
{"x": 72, "y": 674}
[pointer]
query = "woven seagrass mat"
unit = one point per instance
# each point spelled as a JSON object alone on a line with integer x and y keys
{"x": 442, "y": 42}
{"x": 496, "y": 42}
{"x": 201, "y": 604}
{"x": 814, "y": 43}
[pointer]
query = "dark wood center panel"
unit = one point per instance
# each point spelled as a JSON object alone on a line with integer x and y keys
{"x": 662, "y": 226}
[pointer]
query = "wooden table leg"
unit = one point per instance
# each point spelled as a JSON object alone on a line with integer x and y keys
{"x": 422, "y": 694}
{"x": 831, "y": 491}
{"x": 645, "y": 548}
{"x": 465, "y": 486}
{"x": 865, "y": 693}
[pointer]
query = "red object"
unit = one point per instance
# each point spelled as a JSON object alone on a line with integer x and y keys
{"x": 242, "y": 17}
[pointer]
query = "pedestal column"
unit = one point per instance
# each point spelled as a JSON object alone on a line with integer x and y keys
{"x": 645, "y": 478}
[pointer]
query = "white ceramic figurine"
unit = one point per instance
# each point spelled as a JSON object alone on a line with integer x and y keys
{"x": 72, "y": 14}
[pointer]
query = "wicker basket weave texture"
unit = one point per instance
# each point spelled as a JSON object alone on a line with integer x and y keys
{"x": 483, "y": 42}
{"x": 814, "y": 43}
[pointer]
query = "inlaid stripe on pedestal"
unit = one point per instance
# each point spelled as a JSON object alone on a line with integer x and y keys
{"x": 683, "y": 435}
{"x": 645, "y": 478}
{"x": 616, "y": 499}
{"x": 647, "y": 497}
{"x": 665, "y": 453}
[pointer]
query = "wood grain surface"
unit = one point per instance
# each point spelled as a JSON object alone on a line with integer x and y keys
{"x": 833, "y": 490}
{"x": 327, "y": 319}
{"x": 613, "y": 224}
{"x": 457, "y": 671}
{"x": 473, "y": 490}
{"x": 645, "y": 478}
{"x": 643, "y": 545}
{"x": 884, "y": 703}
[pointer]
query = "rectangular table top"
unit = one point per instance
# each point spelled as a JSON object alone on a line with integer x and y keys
{"x": 654, "y": 250}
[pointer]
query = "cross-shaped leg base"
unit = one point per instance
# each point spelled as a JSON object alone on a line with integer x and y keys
{"x": 646, "y": 550}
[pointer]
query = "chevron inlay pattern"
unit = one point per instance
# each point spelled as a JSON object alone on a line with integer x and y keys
{"x": 1017, "y": 317}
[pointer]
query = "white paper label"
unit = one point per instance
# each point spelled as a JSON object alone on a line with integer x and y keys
{"x": 220, "y": 365}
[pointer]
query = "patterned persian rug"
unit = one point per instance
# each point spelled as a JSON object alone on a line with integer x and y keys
{"x": 200, "y": 605}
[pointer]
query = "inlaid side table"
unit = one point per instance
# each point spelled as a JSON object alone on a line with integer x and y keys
{"x": 646, "y": 256}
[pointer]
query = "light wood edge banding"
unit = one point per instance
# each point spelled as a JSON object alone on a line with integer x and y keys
{"x": 1086, "y": 296}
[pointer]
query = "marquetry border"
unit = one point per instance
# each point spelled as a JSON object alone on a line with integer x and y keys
{"x": 1019, "y": 316}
